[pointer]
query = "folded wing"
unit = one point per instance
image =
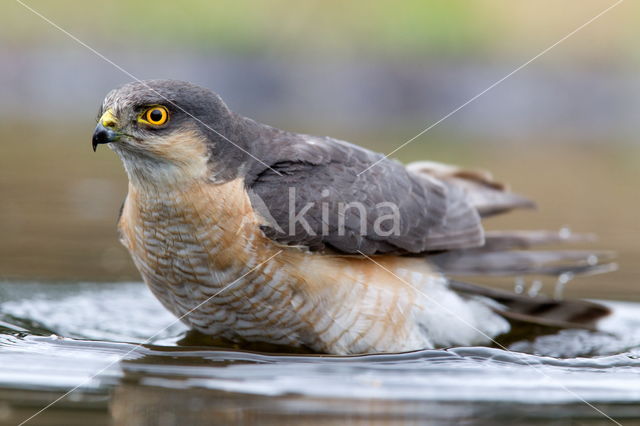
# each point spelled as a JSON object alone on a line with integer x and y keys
{"x": 317, "y": 194}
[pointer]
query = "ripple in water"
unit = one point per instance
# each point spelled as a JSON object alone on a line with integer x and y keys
{"x": 57, "y": 337}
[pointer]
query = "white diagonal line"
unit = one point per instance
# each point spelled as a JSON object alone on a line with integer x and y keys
{"x": 425, "y": 130}
{"x": 148, "y": 340}
{"x": 257, "y": 159}
{"x": 100, "y": 55}
{"x": 490, "y": 338}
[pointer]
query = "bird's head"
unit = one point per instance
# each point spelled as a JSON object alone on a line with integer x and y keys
{"x": 166, "y": 131}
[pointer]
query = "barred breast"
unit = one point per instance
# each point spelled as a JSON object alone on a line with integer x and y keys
{"x": 190, "y": 244}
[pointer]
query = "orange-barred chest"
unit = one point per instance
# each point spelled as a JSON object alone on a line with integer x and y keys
{"x": 191, "y": 244}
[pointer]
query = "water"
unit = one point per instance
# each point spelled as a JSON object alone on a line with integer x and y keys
{"x": 131, "y": 363}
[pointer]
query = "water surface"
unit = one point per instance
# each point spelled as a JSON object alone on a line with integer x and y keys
{"x": 127, "y": 360}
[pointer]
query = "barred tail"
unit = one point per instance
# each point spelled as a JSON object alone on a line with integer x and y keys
{"x": 507, "y": 253}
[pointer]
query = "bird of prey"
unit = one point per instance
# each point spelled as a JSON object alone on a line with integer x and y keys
{"x": 253, "y": 234}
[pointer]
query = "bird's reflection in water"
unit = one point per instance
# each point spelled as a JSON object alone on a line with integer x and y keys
{"x": 148, "y": 405}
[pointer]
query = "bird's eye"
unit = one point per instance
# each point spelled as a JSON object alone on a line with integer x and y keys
{"x": 156, "y": 116}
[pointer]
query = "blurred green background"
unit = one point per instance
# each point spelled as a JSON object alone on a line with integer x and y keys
{"x": 562, "y": 130}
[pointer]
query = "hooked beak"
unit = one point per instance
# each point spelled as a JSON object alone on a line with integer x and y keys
{"x": 103, "y": 135}
{"x": 104, "y": 132}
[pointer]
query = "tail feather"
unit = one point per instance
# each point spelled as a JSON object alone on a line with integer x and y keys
{"x": 508, "y": 240}
{"x": 509, "y": 253}
{"x": 540, "y": 310}
{"x": 505, "y": 253}
{"x": 553, "y": 262}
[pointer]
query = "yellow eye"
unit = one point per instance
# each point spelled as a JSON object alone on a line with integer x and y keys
{"x": 157, "y": 116}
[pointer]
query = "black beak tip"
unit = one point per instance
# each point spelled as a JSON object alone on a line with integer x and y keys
{"x": 102, "y": 135}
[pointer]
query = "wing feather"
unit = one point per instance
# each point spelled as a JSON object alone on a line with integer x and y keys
{"x": 485, "y": 194}
{"x": 387, "y": 209}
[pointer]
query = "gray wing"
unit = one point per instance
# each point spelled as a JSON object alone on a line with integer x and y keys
{"x": 486, "y": 195}
{"x": 318, "y": 199}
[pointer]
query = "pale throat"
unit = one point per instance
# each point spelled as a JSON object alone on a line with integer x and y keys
{"x": 169, "y": 164}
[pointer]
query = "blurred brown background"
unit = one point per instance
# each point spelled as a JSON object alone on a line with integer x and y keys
{"x": 562, "y": 130}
